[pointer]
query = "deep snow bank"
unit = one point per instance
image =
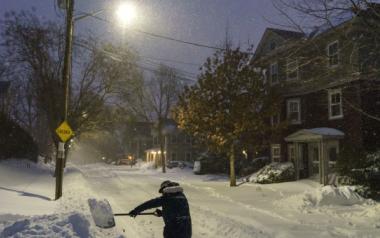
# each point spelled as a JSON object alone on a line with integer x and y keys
{"x": 324, "y": 196}
{"x": 28, "y": 210}
{"x": 70, "y": 225}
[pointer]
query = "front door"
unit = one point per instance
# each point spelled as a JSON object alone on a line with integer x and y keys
{"x": 314, "y": 152}
{"x": 304, "y": 160}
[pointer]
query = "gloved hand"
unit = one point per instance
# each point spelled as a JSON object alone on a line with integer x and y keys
{"x": 158, "y": 212}
{"x": 133, "y": 213}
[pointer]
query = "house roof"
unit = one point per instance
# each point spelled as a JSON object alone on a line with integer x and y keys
{"x": 4, "y": 86}
{"x": 333, "y": 22}
{"x": 314, "y": 134}
{"x": 287, "y": 34}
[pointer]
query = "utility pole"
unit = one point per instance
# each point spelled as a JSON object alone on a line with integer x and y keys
{"x": 66, "y": 91}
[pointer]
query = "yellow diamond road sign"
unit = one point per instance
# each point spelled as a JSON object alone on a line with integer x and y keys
{"x": 64, "y": 131}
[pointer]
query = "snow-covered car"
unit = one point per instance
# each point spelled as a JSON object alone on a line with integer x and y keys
{"x": 210, "y": 163}
{"x": 175, "y": 164}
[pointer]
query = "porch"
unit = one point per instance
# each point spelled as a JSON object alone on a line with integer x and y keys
{"x": 314, "y": 151}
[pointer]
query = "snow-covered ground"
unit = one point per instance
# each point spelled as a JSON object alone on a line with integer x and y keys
{"x": 293, "y": 209}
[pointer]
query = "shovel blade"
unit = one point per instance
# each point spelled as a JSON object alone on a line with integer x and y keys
{"x": 101, "y": 212}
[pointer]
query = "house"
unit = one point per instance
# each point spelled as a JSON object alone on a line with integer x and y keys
{"x": 331, "y": 98}
{"x": 178, "y": 145}
{"x": 139, "y": 139}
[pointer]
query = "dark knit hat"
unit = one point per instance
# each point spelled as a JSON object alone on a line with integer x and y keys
{"x": 166, "y": 184}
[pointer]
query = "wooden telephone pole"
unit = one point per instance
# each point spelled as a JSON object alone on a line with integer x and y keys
{"x": 69, "y": 6}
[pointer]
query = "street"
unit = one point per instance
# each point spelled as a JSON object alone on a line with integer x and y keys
{"x": 217, "y": 210}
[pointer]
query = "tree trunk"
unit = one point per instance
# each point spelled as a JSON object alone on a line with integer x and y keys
{"x": 232, "y": 166}
{"x": 160, "y": 138}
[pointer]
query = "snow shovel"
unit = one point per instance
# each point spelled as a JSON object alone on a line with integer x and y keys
{"x": 102, "y": 214}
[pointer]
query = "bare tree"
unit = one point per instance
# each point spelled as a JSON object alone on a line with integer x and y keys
{"x": 153, "y": 99}
{"x": 34, "y": 49}
{"x": 162, "y": 94}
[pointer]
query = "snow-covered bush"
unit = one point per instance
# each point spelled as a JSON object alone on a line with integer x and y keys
{"x": 361, "y": 169}
{"x": 247, "y": 167}
{"x": 275, "y": 173}
{"x": 364, "y": 191}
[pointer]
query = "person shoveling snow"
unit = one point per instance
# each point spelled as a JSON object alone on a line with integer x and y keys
{"x": 175, "y": 210}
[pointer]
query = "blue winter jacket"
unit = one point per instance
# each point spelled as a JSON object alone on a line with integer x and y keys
{"x": 175, "y": 212}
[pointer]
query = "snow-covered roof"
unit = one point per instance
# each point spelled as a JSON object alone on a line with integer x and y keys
{"x": 315, "y": 134}
{"x": 153, "y": 150}
{"x": 325, "y": 131}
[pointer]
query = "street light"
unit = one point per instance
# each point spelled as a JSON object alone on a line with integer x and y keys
{"x": 126, "y": 13}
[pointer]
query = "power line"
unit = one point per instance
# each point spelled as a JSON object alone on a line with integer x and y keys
{"x": 115, "y": 57}
{"x": 155, "y": 35}
{"x": 169, "y": 60}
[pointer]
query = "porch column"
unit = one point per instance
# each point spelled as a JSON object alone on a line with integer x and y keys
{"x": 296, "y": 160}
{"x": 324, "y": 163}
{"x": 320, "y": 151}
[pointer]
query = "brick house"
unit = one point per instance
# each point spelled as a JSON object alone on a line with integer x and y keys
{"x": 329, "y": 96}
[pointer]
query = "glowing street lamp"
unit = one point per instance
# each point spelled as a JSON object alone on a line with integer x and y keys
{"x": 126, "y": 13}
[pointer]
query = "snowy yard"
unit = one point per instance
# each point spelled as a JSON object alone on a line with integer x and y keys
{"x": 285, "y": 210}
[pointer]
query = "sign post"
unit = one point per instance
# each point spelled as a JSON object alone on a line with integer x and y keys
{"x": 64, "y": 132}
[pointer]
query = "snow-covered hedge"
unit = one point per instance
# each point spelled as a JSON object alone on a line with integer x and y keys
{"x": 275, "y": 173}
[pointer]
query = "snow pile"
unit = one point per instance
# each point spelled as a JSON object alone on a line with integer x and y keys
{"x": 146, "y": 165}
{"x": 324, "y": 196}
{"x": 24, "y": 164}
{"x": 71, "y": 225}
{"x": 274, "y": 173}
{"x": 342, "y": 196}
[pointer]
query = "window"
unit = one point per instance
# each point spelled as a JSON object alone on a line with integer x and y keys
{"x": 188, "y": 139}
{"x": 275, "y": 119}
{"x": 272, "y": 46}
{"x": 294, "y": 111}
{"x": 333, "y": 53}
{"x": 188, "y": 156}
{"x": 174, "y": 156}
{"x": 155, "y": 140}
{"x": 333, "y": 154}
{"x": 173, "y": 139}
{"x": 292, "y": 69}
{"x": 276, "y": 152}
{"x": 274, "y": 73}
{"x": 335, "y": 104}
{"x": 291, "y": 153}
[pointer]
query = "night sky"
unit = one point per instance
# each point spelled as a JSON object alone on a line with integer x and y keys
{"x": 202, "y": 21}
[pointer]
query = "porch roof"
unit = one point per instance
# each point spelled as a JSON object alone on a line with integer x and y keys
{"x": 314, "y": 134}
{"x": 152, "y": 150}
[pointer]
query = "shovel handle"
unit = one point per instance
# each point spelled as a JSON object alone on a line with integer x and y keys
{"x": 143, "y": 213}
